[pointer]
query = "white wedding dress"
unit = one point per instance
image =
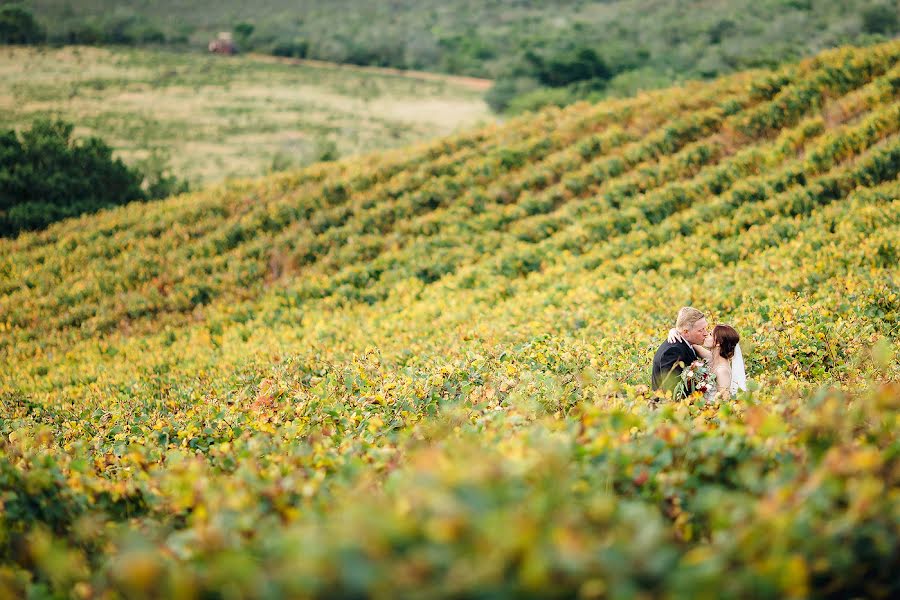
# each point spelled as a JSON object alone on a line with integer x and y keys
{"x": 738, "y": 375}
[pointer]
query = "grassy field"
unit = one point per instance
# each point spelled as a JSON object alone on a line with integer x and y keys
{"x": 528, "y": 47}
{"x": 221, "y": 117}
{"x": 424, "y": 373}
{"x": 673, "y": 38}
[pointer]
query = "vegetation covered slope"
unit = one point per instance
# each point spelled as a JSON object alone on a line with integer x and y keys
{"x": 208, "y": 118}
{"x": 522, "y": 43}
{"x": 424, "y": 372}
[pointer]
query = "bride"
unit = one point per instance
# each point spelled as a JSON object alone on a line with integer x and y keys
{"x": 722, "y": 353}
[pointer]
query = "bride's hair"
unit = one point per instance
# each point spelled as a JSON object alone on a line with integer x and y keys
{"x": 726, "y": 337}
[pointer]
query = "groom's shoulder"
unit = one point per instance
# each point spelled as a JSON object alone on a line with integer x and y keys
{"x": 666, "y": 345}
{"x": 663, "y": 348}
{"x": 671, "y": 348}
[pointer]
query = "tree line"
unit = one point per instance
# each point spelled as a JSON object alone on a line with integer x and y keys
{"x": 538, "y": 54}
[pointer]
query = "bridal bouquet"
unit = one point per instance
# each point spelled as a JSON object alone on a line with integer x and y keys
{"x": 695, "y": 378}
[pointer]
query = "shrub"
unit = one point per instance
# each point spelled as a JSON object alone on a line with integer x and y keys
{"x": 243, "y": 31}
{"x": 539, "y": 98}
{"x": 505, "y": 90}
{"x": 159, "y": 181}
{"x": 18, "y": 26}
{"x": 131, "y": 30}
{"x": 296, "y": 48}
{"x": 45, "y": 176}
{"x": 126, "y": 30}
{"x": 561, "y": 70}
{"x": 881, "y": 18}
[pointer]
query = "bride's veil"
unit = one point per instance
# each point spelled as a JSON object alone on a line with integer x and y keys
{"x": 738, "y": 374}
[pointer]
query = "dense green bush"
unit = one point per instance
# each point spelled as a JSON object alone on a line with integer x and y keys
{"x": 881, "y": 18}
{"x": 504, "y": 91}
{"x": 566, "y": 68}
{"x": 45, "y": 176}
{"x": 18, "y": 26}
{"x": 294, "y": 48}
{"x": 127, "y": 30}
{"x": 243, "y": 31}
{"x": 159, "y": 181}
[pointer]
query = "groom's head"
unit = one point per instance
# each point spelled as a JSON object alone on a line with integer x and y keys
{"x": 691, "y": 324}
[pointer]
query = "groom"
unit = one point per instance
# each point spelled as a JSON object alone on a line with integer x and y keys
{"x": 671, "y": 359}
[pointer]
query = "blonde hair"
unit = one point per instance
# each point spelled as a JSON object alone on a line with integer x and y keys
{"x": 687, "y": 317}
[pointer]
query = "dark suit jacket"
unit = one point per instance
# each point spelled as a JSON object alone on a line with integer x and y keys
{"x": 668, "y": 364}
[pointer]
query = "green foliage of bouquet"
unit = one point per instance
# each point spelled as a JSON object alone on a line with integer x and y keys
{"x": 696, "y": 377}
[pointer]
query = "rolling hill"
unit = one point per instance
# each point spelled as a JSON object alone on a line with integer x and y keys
{"x": 533, "y": 50}
{"x": 424, "y": 372}
{"x": 209, "y": 118}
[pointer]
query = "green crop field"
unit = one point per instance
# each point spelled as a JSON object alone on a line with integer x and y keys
{"x": 216, "y": 117}
{"x": 424, "y": 372}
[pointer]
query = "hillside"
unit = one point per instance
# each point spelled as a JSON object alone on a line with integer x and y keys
{"x": 525, "y": 45}
{"x": 209, "y": 118}
{"x": 424, "y": 372}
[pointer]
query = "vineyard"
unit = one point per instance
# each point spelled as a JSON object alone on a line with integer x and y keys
{"x": 425, "y": 372}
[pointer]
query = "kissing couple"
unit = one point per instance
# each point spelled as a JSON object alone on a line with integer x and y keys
{"x": 694, "y": 359}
